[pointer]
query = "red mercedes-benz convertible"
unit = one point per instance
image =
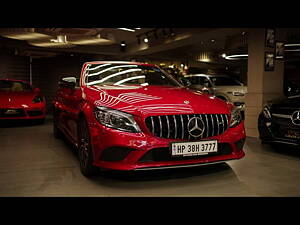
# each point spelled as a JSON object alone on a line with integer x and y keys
{"x": 19, "y": 100}
{"x": 134, "y": 116}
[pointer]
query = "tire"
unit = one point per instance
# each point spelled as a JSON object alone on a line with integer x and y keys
{"x": 85, "y": 152}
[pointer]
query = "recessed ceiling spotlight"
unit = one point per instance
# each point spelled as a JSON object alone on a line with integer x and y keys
{"x": 212, "y": 40}
{"x": 146, "y": 40}
{"x": 223, "y": 55}
{"x": 123, "y": 44}
{"x": 126, "y": 29}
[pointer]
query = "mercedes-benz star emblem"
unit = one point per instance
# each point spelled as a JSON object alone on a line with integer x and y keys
{"x": 296, "y": 118}
{"x": 195, "y": 127}
{"x": 186, "y": 102}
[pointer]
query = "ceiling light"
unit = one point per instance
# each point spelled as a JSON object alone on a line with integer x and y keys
{"x": 60, "y": 39}
{"x": 212, "y": 40}
{"x": 224, "y": 55}
{"x": 123, "y": 44}
{"x": 126, "y": 29}
{"x": 26, "y": 36}
{"x": 236, "y": 57}
{"x": 49, "y": 44}
{"x": 146, "y": 40}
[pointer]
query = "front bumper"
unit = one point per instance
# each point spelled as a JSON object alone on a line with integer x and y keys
{"x": 15, "y": 113}
{"x": 267, "y": 134}
{"x": 118, "y": 150}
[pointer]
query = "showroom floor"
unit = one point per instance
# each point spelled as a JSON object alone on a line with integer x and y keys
{"x": 34, "y": 163}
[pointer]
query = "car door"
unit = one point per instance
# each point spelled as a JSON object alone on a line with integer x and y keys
{"x": 72, "y": 98}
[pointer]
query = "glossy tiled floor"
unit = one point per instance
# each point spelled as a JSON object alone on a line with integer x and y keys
{"x": 33, "y": 163}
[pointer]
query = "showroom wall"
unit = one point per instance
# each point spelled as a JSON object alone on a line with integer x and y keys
{"x": 14, "y": 67}
{"x": 50, "y": 70}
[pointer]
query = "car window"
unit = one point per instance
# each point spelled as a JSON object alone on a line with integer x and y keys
{"x": 8, "y": 85}
{"x": 199, "y": 80}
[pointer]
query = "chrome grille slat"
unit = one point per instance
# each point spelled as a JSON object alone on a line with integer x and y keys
{"x": 202, "y": 120}
{"x": 207, "y": 127}
{"x": 170, "y": 126}
{"x": 213, "y": 126}
{"x": 175, "y": 123}
{"x": 152, "y": 123}
{"x": 168, "y": 123}
{"x": 218, "y": 123}
{"x": 223, "y": 125}
{"x": 182, "y": 126}
{"x": 189, "y": 136}
{"x": 160, "y": 125}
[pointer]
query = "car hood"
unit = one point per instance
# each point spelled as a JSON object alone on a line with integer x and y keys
{"x": 286, "y": 105}
{"x": 9, "y": 99}
{"x": 155, "y": 100}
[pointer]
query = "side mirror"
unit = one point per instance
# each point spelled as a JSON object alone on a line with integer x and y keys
{"x": 69, "y": 82}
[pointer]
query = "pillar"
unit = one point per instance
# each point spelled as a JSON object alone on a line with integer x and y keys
{"x": 263, "y": 86}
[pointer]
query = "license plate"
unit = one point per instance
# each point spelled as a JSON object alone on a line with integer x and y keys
{"x": 11, "y": 112}
{"x": 292, "y": 134}
{"x": 194, "y": 148}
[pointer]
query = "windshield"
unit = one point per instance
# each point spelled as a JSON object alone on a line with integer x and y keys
{"x": 7, "y": 85}
{"x": 224, "y": 81}
{"x": 127, "y": 74}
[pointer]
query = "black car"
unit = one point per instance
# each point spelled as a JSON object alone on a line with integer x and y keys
{"x": 279, "y": 122}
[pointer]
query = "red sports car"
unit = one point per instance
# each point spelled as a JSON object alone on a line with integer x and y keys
{"x": 134, "y": 116}
{"x": 19, "y": 100}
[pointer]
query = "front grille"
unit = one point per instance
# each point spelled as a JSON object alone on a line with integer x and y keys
{"x": 176, "y": 126}
{"x": 164, "y": 154}
{"x": 8, "y": 113}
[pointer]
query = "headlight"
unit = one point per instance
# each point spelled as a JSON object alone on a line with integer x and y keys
{"x": 236, "y": 117}
{"x": 236, "y": 93}
{"x": 116, "y": 119}
{"x": 37, "y": 99}
{"x": 266, "y": 112}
